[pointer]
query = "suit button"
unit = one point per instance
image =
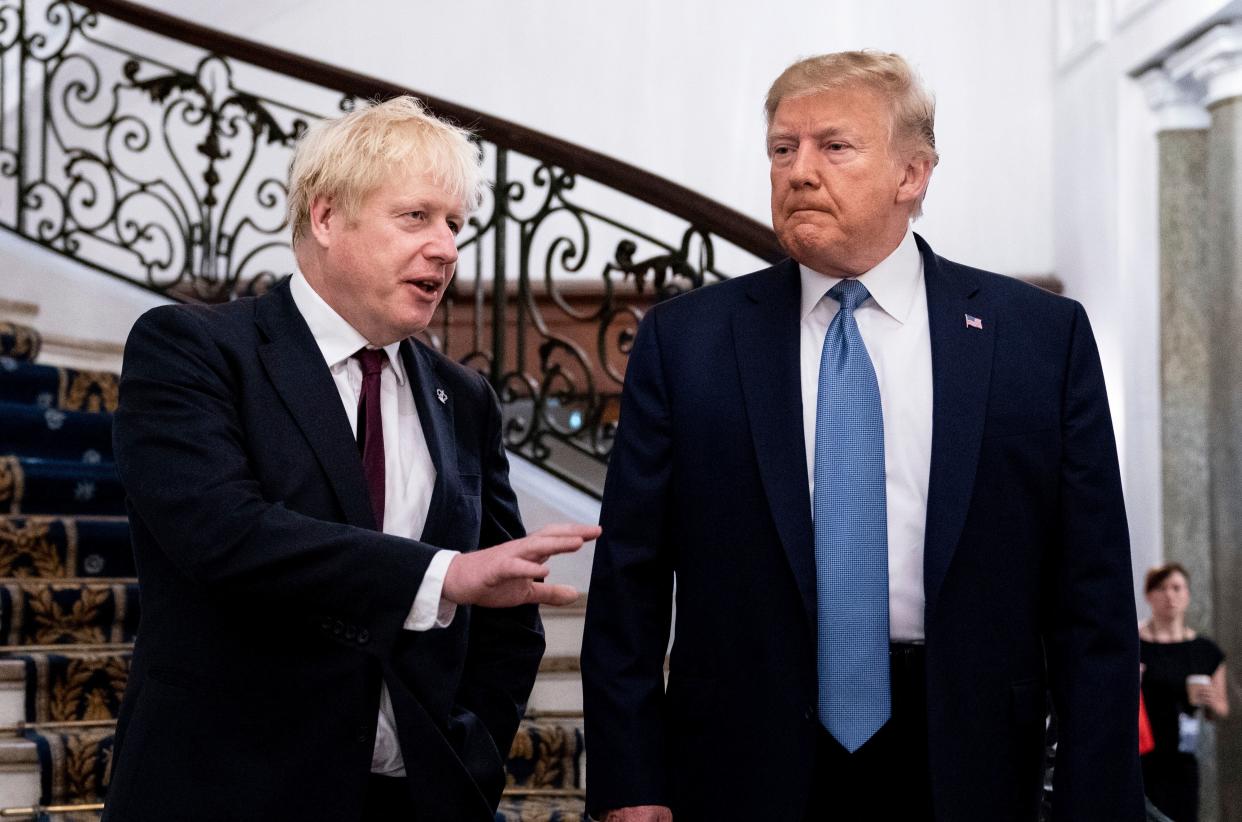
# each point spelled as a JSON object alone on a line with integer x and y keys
{"x": 364, "y": 636}
{"x": 809, "y": 714}
{"x": 350, "y": 632}
{"x": 362, "y": 734}
{"x": 338, "y": 627}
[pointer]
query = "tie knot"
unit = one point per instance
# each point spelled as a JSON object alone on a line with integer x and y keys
{"x": 850, "y": 293}
{"x": 371, "y": 359}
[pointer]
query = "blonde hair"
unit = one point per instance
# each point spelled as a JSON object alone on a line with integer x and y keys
{"x": 911, "y": 105}
{"x": 348, "y": 157}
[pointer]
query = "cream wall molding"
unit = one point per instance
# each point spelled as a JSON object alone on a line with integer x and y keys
{"x": 1178, "y": 105}
{"x": 1213, "y": 59}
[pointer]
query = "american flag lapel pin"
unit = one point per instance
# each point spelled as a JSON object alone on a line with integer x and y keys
{"x": 441, "y": 395}
{"x": 974, "y": 322}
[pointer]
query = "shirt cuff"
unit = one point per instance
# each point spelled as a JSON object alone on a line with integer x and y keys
{"x": 430, "y": 609}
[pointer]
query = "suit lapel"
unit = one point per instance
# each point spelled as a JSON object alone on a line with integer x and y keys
{"x": 296, "y": 368}
{"x": 961, "y": 373}
{"x": 766, "y": 339}
{"x": 435, "y": 414}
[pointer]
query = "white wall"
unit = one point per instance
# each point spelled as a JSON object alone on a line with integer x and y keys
{"x": 84, "y": 316}
{"x": 1105, "y": 218}
{"x": 677, "y": 88}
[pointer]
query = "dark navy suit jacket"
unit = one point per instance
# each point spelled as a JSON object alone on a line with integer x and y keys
{"x": 271, "y": 606}
{"x": 1026, "y": 563}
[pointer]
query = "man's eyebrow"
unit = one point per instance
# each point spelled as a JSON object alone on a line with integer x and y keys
{"x": 410, "y": 204}
{"x": 423, "y": 204}
{"x": 819, "y": 133}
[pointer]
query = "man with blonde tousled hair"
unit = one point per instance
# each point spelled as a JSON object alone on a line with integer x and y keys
{"x": 887, "y": 488}
{"x": 326, "y": 634}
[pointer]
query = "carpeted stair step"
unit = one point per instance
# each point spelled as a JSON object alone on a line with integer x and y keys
{"x": 70, "y": 685}
{"x": 20, "y": 343}
{"x": 70, "y": 762}
{"x": 57, "y": 547}
{"x": 79, "y": 683}
{"x": 54, "y": 613}
{"x": 512, "y": 809}
{"x": 559, "y": 685}
{"x": 562, "y": 628}
{"x": 19, "y": 772}
{"x": 39, "y": 613}
{"x": 54, "y": 683}
{"x": 55, "y": 813}
{"x": 40, "y": 486}
{"x": 64, "y": 389}
{"x": 547, "y": 754}
{"x": 35, "y": 674}
{"x": 49, "y": 433}
{"x": 551, "y": 807}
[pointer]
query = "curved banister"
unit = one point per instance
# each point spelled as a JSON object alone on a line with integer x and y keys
{"x": 737, "y": 228}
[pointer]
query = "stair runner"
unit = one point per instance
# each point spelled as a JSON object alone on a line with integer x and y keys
{"x": 69, "y": 604}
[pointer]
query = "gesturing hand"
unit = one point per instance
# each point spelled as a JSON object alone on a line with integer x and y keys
{"x": 508, "y": 574}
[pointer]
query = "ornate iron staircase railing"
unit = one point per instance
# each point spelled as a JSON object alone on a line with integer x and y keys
{"x": 154, "y": 150}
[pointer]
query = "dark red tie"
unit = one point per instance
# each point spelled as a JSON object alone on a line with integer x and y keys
{"x": 371, "y": 429}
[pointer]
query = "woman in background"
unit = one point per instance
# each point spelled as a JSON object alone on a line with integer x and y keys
{"x": 1183, "y": 684}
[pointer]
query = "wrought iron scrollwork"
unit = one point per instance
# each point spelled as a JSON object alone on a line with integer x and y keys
{"x": 163, "y": 166}
{"x": 169, "y": 177}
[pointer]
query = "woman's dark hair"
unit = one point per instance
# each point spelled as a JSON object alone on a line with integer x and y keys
{"x": 1156, "y": 576}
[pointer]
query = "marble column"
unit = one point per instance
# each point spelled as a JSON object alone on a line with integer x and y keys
{"x": 1182, "y": 134}
{"x": 1215, "y": 60}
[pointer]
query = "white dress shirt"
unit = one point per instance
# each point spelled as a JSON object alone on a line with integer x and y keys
{"x": 894, "y": 327}
{"x": 409, "y": 477}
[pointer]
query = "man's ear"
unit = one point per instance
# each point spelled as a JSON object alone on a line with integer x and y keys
{"x": 916, "y": 172}
{"x": 324, "y": 219}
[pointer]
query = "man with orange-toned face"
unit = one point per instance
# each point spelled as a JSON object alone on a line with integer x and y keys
{"x": 339, "y": 599}
{"x": 886, "y": 485}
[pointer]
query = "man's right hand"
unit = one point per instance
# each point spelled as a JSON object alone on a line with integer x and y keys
{"x": 509, "y": 574}
{"x": 640, "y": 813}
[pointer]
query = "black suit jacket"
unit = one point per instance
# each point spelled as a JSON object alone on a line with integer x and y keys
{"x": 1026, "y": 563}
{"x": 272, "y": 608}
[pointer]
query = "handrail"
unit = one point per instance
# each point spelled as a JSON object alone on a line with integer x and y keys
{"x": 737, "y": 228}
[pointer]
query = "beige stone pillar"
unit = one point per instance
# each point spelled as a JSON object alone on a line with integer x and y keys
{"x": 1182, "y": 134}
{"x": 1214, "y": 60}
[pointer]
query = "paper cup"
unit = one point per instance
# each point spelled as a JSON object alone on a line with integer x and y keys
{"x": 1196, "y": 679}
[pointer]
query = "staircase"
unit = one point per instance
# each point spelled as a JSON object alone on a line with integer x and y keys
{"x": 70, "y": 609}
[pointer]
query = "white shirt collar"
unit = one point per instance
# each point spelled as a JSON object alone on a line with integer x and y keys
{"x": 892, "y": 284}
{"x": 337, "y": 339}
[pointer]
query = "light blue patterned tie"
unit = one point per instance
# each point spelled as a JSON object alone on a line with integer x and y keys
{"x": 851, "y": 532}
